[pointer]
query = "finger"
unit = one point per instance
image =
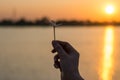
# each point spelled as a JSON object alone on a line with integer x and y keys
{"x": 53, "y": 51}
{"x": 57, "y": 65}
{"x": 57, "y": 62}
{"x": 58, "y": 48}
{"x": 56, "y": 57}
{"x": 67, "y": 46}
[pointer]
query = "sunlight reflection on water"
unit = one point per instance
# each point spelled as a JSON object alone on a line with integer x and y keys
{"x": 107, "y": 60}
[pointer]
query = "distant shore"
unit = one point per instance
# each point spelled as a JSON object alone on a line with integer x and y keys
{"x": 43, "y": 22}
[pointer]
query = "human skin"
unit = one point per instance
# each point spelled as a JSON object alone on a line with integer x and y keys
{"x": 67, "y": 60}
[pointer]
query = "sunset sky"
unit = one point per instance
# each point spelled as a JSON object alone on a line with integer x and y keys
{"x": 59, "y": 9}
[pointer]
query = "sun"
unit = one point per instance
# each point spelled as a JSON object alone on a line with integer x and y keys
{"x": 109, "y": 9}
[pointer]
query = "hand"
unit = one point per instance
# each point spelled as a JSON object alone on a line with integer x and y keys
{"x": 67, "y": 60}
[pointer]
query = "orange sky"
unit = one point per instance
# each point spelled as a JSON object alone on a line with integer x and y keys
{"x": 59, "y": 9}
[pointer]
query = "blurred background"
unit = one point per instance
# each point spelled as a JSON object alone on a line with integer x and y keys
{"x": 92, "y": 27}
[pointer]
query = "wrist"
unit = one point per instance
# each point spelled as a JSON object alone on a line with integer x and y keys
{"x": 71, "y": 76}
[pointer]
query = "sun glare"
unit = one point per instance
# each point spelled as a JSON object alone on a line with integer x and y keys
{"x": 109, "y": 9}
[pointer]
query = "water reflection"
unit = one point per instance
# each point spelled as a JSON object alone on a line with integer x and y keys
{"x": 107, "y": 60}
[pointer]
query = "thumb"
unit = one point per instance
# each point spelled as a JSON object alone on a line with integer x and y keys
{"x": 58, "y": 48}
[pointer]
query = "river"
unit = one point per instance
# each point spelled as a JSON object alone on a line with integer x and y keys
{"x": 25, "y": 53}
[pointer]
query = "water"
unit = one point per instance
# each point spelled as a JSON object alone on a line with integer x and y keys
{"x": 25, "y": 52}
